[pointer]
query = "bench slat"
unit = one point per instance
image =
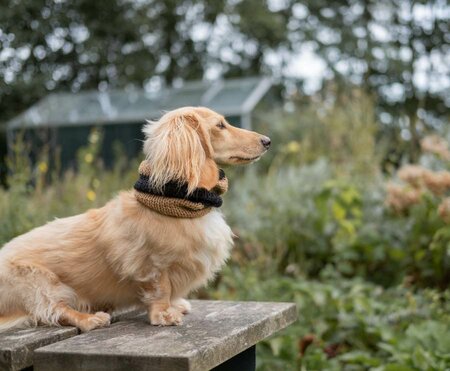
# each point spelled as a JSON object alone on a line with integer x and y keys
{"x": 214, "y": 332}
{"x": 17, "y": 346}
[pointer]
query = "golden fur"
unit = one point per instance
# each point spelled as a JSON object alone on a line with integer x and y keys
{"x": 73, "y": 270}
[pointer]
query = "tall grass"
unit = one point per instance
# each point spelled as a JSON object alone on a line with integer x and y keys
{"x": 343, "y": 131}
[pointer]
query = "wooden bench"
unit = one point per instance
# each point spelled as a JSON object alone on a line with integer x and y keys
{"x": 217, "y": 334}
{"x": 17, "y": 346}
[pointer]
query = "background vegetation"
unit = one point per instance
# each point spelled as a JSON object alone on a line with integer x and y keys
{"x": 348, "y": 214}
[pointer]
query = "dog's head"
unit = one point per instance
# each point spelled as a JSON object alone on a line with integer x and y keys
{"x": 183, "y": 143}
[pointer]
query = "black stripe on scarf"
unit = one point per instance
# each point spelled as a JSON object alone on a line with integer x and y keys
{"x": 174, "y": 189}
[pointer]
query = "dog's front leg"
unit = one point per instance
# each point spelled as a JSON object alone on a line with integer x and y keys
{"x": 160, "y": 311}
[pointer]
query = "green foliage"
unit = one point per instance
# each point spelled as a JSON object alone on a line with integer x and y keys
{"x": 343, "y": 131}
{"x": 354, "y": 325}
{"x": 314, "y": 216}
{"x": 308, "y": 219}
{"x": 412, "y": 247}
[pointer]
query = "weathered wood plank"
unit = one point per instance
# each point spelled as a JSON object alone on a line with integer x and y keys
{"x": 214, "y": 332}
{"x": 17, "y": 346}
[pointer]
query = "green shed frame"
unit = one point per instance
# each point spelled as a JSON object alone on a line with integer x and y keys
{"x": 64, "y": 120}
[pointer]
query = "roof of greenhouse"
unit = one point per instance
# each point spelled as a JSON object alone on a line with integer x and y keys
{"x": 229, "y": 97}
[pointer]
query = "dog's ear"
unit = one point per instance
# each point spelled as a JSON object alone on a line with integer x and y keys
{"x": 195, "y": 122}
{"x": 175, "y": 149}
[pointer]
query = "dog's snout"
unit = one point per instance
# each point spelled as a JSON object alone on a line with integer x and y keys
{"x": 265, "y": 142}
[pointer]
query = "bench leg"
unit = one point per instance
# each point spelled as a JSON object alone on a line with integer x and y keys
{"x": 244, "y": 361}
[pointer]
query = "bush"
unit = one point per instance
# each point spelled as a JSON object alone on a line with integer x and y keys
{"x": 306, "y": 218}
{"x": 347, "y": 324}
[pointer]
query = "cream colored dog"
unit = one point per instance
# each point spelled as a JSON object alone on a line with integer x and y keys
{"x": 125, "y": 254}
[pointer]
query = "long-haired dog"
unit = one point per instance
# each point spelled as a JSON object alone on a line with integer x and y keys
{"x": 71, "y": 270}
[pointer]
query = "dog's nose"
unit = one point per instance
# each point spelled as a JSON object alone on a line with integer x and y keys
{"x": 265, "y": 142}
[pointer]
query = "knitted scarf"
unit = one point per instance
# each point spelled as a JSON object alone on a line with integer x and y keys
{"x": 173, "y": 200}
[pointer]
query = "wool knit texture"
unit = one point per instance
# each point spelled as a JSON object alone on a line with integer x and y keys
{"x": 173, "y": 199}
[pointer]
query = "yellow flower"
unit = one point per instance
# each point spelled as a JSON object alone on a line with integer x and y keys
{"x": 293, "y": 147}
{"x": 91, "y": 196}
{"x": 88, "y": 158}
{"x": 43, "y": 167}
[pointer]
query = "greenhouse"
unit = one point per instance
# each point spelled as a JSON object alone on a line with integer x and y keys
{"x": 63, "y": 121}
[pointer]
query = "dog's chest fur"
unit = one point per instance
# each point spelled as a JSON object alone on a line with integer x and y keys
{"x": 217, "y": 239}
{"x": 198, "y": 263}
{"x": 192, "y": 250}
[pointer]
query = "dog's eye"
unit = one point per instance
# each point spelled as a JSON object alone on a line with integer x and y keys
{"x": 221, "y": 125}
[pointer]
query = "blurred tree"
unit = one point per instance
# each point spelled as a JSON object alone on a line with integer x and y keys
{"x": 50, "y": 45}
{"x": 397, "y": 49}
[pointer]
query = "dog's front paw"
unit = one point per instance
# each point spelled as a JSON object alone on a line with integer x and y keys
{"x": 168, "y": 317}
{"x": 93, "y": 321}
{"x": 182, "y": 305}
